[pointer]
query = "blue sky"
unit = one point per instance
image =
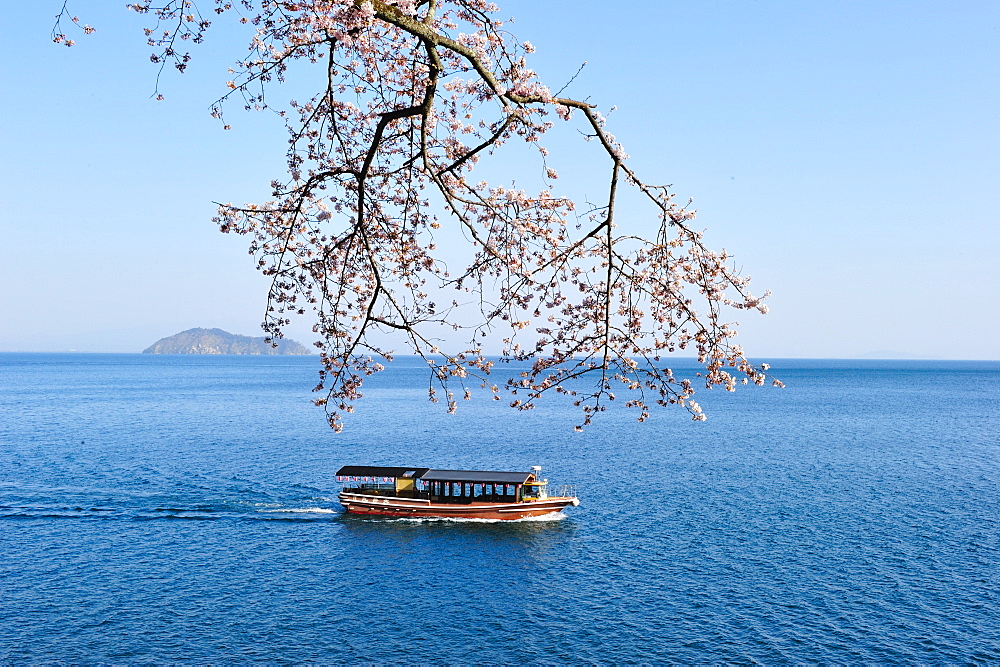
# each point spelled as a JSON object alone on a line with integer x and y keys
{"x": 847, "y": 153}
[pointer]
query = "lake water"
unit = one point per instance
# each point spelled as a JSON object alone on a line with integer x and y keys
{"x": 183, "y": 508}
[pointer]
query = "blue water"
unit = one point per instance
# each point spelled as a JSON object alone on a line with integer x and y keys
{"x": 161, "y": 508}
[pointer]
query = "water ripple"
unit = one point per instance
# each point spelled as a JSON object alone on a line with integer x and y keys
{"x": 152, "y": 512}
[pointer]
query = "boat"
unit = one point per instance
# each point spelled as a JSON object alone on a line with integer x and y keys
{"x": 454, "y": 494}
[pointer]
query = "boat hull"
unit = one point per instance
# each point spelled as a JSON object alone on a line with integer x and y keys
{"x": 357, "y": 503}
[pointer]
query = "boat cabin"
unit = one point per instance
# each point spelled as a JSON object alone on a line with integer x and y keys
{"x": 456, "y": 487}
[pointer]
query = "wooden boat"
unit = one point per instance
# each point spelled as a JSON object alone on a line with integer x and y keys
{"x": 426, "y": 492}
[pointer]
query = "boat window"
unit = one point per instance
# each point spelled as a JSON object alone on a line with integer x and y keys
{"x": 456, "y": 489}
{"x": 510, "y": 489}
{"x": 447, "y": 489}
{"x": 468, "y": 490}
{"x": 477, "y": 490}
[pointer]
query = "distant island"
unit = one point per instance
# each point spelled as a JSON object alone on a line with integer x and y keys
{"x": 217, "y": 341}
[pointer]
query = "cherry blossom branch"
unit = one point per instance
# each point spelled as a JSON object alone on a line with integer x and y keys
{"x": 414, "y": 95}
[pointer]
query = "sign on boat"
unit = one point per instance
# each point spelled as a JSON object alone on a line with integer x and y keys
{"x": 428, "y": 492}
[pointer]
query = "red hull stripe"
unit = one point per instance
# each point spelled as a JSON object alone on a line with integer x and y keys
{"x": 358, "y": 504}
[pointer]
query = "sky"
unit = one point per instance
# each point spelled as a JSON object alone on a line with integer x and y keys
{"x": 847, "y": 154}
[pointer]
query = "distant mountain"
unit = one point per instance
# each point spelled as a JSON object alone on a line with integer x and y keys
{"x": 217, "y": 341}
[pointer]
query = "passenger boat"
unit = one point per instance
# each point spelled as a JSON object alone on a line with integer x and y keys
{"x": 426, "y": 492}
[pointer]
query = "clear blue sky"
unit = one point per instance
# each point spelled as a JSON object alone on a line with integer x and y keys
{"x": 848, "y": 153}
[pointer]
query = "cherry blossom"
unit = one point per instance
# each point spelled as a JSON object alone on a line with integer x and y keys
{"x": 414, "y": 94}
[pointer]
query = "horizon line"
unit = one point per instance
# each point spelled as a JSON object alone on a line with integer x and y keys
{"x": 902, "y": 357}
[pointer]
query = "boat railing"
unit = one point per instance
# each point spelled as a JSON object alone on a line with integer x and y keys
{"x": 564, "y": 491}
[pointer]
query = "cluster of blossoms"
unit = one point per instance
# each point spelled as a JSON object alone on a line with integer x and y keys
{"x": 59, "y": 37}
{"x": 415, "y": 93}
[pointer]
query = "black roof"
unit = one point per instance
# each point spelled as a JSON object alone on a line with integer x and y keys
{"x": 381, "y": 471}
{"x": 437, "y": 475}
{"x": 476, "y": 476}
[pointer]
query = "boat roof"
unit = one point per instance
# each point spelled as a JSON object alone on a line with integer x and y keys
{"x": 382, "y": 471}
{"x": 431, "y": 474}
{"x": 476, "y": 476}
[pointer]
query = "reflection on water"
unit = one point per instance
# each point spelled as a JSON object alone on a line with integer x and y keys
{"x": 521, "y": 538}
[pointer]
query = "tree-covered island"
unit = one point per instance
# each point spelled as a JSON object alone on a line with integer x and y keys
{"x": 217, "y": 341}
